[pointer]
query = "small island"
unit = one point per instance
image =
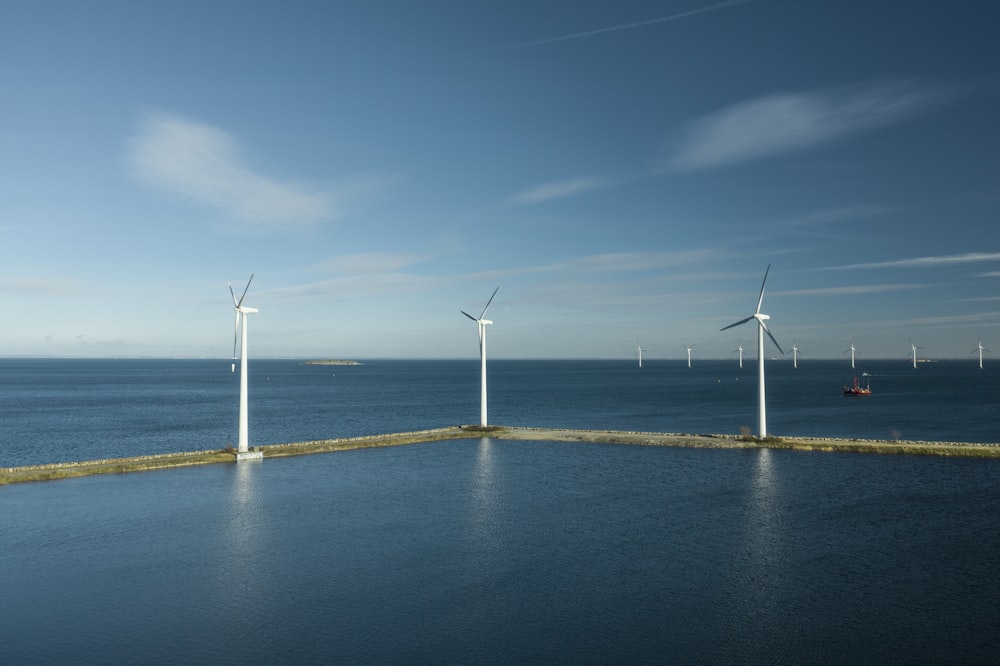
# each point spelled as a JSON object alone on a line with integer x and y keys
{"x": 333, "y": 361}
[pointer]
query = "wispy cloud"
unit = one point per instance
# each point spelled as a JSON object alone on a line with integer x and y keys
{"x": 829, "y": 216}
{"x": 368, "y": 263}
{"x": 623, "y": 26}
{"x": 944, "y": 320}
{"x": 205, "y": 164}
{"x": 917, "y": 262}
{"x": 788, "y": 122}
{"x": 559, "y": 189}
{"x": 849, "y": 291}
{"x": 39, "y": 287}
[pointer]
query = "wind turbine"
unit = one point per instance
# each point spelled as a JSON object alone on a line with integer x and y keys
{"x": 795, "y": 355}
{"x": 852, "y": 350}
{"x": 740, "y": 350}
{"x": 640, "y": 350}
{"x": 241, "y": 327}
{"x": 980, "y": 348}
{"x": 689, "y": 353}
{"x": 914, "y": 348}
{"x": 761, "y": 330}
{"x": 483, "y": 323}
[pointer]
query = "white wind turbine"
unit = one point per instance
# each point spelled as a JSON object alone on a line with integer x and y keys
{"x": 740, "y": 350}
{"x": 483, "y": 323}
{"x": 640, "y": 350}
{"x": 795, "y": 355}
{"x": 852, "y": 350}
{"x": 980, "y": 348}
{"x": 241, "y": 327}
{"x": 761, "y": 330}
{"x": 914, "y": 348}
{"x": 689, "y": 353}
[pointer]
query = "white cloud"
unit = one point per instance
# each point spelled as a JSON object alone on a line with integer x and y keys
{"x": 943, "y": 260}
{"x": 558, "y": 190}
{"x": 205, "y": 164}
{"x": 788, "y": 122}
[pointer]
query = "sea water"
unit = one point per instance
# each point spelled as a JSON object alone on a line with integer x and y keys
{"x": 493, "y": 551}
{"x": 498, "y": 551}
{"x": 56, "y": 410}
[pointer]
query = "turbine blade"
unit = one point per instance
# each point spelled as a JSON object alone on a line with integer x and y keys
{"x": 236, "y": 336}
{"x": 772, "y": 338}
{"x": 488, "y": 303}
{"x": 468, "y": 315}
{"x": 235, "y": 304}
{"x": 245, "y": 291}
{"x": 761, "y": 299}
{"x": 741, "y": 321}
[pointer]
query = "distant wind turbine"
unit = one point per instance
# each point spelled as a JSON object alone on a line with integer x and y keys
{"x": 914, "y": 348}
{"x": 795, "y": 355}
{"x": 980, "y": 348}
{"x": 740, "y": 350}
{"x": 241, "y": 327}
{"x": 483, "y": 323}
{"x": 852, "y": 350}
{"x": 640, "y": 350}
{"x": 689, "y": 353}
{"x": 761, "y": 330}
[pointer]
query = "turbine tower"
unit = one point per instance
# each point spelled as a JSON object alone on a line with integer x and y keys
{"x": 689, "y": 353}
{"x": 761, "y": 330}
{"x": 241, "y": 328}
{"x": 914, "y": 348}
{"x": 740, "y": 350}
{"x": 795, "y": 355}
{"x": 852, "y": 350}
{"x": 980, "y": 348}
{"x": 640, "y": 350}
{"x": 483, "y": 323}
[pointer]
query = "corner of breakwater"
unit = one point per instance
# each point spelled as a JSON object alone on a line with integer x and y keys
{"x": 48, "y": 472}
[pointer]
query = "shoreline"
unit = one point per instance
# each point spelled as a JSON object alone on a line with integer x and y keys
{"x": 52, "y": 471}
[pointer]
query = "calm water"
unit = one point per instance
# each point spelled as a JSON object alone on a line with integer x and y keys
{"x": 499, "y": 551}
{"x": 61, "y": 410}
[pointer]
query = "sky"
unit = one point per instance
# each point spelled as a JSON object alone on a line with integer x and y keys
{"x": 625, "y": 172}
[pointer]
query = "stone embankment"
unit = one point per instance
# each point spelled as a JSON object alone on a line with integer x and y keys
{"x": 171, "y": 460}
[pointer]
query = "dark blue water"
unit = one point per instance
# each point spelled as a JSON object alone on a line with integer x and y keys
{"x": 63, "y": 410}
{"x": 497, "y": 551}
{"x": 510, "y": 552}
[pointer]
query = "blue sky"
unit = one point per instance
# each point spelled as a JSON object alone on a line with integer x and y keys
{"x": 624, "y": 172}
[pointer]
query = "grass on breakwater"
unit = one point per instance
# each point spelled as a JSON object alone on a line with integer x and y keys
{"x": 170, "y": 460}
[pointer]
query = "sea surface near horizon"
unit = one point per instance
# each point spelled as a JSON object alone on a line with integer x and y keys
{"x": 60, "y": 410}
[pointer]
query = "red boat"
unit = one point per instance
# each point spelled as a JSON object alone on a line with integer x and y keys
{"x": 858, "y": 388}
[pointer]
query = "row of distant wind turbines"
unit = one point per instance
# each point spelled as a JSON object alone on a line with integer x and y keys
{"x": 240, "y": 334}
{"x": 795, "y": 353}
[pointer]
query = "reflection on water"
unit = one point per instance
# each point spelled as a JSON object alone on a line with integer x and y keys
{"x": 486, "y": 497}
{"x": 240, "y": 583}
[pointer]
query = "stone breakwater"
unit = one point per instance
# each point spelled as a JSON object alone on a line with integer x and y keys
{"x": 172, "y": 460}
